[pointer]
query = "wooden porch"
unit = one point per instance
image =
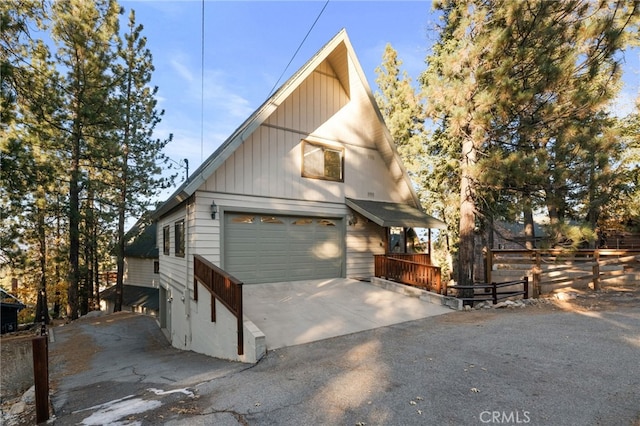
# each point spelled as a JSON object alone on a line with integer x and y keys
{"x": 410, "y": 268}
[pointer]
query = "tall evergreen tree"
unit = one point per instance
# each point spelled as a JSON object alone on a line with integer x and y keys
{"x": 623, "y": 211}
{"x": 30, "y": 170}
{"x": 402, "y": 108}
{"x": 550, "y": 115}
{"x": 16, "y": 174}
{"x": 522, "y": 86}
{"x": 452, "y": 91}
{"x": 80, "y": 120}
{"x": 137, "y": 177}
{"x": 84, "y": 33}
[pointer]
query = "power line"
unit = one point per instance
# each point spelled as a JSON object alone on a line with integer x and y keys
{"x": 298, "y": 49}
{"x": 202, "y": 90}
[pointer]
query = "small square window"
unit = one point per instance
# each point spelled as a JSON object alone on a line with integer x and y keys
{"x": 322, "y": 162}
{"x": 179, "y": 236}
{"x": 166, "y": 240}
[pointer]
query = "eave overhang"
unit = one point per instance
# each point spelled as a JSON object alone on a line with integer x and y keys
{"x": 388, "y": 214}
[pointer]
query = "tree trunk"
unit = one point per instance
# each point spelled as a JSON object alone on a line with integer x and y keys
{"x": 96, "y": 266}
{"x": 120, "y": 263}
{"x": 529, "y": 230}
{"x": 42, "y": 311}
{"x": 122, "y": 207}
{"x": 85, "y": 292}
{"x": 121, "y": 243}
{"x": 90, "y": 254}
{"x": 74, "y": 230}
{"x": 466, "y": 258}
{"x": 489, "y": 243}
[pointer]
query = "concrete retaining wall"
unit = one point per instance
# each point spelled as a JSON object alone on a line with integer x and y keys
{"x": 425, "y": 295}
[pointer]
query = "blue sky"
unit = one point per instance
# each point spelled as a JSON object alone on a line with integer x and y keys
{"x": 248, "y": 44}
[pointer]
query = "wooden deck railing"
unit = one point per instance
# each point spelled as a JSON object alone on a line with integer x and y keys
{"x": 421, "y": 258}
{"x": 395, "y": 267}
{"x": 221, "y": 286}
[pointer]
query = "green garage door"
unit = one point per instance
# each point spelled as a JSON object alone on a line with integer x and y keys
{"x": 264, "y": 248}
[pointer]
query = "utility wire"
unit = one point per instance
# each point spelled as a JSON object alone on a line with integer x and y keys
{"x": 298, "y": 49}
{"x": 202, "y": 91}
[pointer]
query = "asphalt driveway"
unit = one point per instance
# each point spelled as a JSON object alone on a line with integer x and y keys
{"x": 546, "y": 364}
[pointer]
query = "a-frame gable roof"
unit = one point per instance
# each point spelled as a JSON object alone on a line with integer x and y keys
{"x": 338, "y": 51}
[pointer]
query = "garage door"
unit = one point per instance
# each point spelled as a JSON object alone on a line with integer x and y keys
{"x": 263, "y": 248}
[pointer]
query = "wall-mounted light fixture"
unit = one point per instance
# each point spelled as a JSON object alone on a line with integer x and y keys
{"x": 214, "y": 210}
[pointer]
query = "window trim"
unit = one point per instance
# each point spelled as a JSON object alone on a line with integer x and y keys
{"x": 166, "y": 240}
{"x": 180, "y": 249}
{"x": 324, "y": 147}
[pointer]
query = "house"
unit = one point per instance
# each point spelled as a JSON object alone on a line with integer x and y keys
{"x": 141, "y": 271}
{"x": 308, "y": 187}
{"x": 9, "y": 308}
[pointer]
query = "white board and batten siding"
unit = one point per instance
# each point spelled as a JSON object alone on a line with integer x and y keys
{"x": 269, "y": 162}
{"x": 176, "y": 272}
{"x": 364, "y": 239}
{"x": 139, "y": 272}
{"x": 172, "y": 267}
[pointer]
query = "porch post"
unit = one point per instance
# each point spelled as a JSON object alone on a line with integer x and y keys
{"x": 404, "y": 239}
{"x": 386, "y": 240}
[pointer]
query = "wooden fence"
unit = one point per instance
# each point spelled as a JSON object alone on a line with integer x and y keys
{"x": 493, "y": 291}
{"x": 224, "y": 287}
{"x": 554, "y": 269}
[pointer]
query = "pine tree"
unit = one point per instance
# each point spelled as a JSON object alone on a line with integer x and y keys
{"x": 16, "y": 177}
{"x": 522, "y": 86}
{"x": 439, "y": 190}
{"x": 30, "y": 170}
{"x": 402, "y": 109}
{"x": 137, "y": 178}
{"x": 623, "y": 210}
{"x": 452, "y": 91}
{"x": 84, "y": 33}
{"x": 549, "y": 114}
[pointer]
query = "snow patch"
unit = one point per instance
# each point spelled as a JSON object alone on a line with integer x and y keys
{"x": 111, "y": 412}
{"x": 114, "y": 412}
{"x": 162, "y": 392}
